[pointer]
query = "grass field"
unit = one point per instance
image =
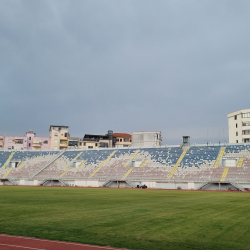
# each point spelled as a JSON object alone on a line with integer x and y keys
{"x": 128, "y": 218}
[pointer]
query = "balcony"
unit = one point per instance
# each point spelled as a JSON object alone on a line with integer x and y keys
{"x": 63, "y": 142}
{"x": 89, "y": 140}
{"x": 63, "y": 147}
{"x": 18, "y": 141}
{"x": 37, "y": 142}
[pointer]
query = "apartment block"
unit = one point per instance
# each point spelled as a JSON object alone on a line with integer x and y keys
{"x": 59, "y": 137}
{"x": 239, "y": 126}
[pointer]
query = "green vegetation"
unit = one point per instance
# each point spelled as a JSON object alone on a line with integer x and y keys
{"x": 129, "y": 218}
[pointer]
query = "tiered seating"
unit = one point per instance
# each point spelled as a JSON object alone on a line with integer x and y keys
{"x": 93, "y": 159}
{"x": 2, "y": 172}
{"x": 160, "y": 162}
{"x": 242, "y": 171}
{"x": 57, "y": 168}
{"x": 31, "y": 162}
{"x": 198, "y": 163}
{"x": 4, "y": 156}
{"x": 116, "y": 168}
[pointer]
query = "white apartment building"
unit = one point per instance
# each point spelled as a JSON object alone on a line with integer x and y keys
{"x": 146, "y": 139}
{"x": 239, "y": 126}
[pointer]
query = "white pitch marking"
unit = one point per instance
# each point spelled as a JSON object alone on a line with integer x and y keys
{"x": 21, "y": 246}
{"x": 61, "y": 242}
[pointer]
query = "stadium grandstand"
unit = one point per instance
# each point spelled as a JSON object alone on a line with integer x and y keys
{"x": 204, "y": 167}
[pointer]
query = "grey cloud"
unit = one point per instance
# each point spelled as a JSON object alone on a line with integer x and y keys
{"x": 174, "y": 66}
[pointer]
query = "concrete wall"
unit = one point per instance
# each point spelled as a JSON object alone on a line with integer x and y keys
{"x": 84, "y": 183}
{"x": 172, "y": 185}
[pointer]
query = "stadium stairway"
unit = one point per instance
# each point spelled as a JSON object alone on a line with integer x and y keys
{"x": 203, "y": 185}
{"x": 73, "y": 160}
{"x": 143, "y": 163}
{"x": 237, "y": 186}
{"x": 177, "y": 164}
{"x": 224, "y": 174}
{"x": 7, "y": 173}
{"x": 221, "y": 153}
{"x": 63, "y": 182}
{"x": 12, "y": 181}
{"x": 127, "y": 163}
{"x": 82, "y": 164}
{"x": 240, "y": 162}
{"x": 40, "y": 170}
{"x": 131, "y": 158}
{"x": 65, "y": 172}
{"x": 129, "y": 171}
{"x": 67, "y": 166}
{"x": 102, "y": 164}
{"x": 8, "y": 160}
{"x": 20, "y": 164}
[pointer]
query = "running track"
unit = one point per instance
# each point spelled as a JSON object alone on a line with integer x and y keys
{"x": 8, "y": 242}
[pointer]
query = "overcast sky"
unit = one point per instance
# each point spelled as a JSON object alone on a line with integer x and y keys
{"x": 173, "y": 66}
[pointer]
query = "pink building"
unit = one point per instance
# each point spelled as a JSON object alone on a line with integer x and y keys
{"x": 28, "y": 142}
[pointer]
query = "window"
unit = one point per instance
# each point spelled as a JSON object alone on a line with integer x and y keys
{"x": 10, "y": 141}
{"x": 96, "y": 144}
{"x": 245, "y": 115}
{"x": 236, "y": 133}
{"x": 117, "y": 139}
{"x": 120, "y": 140}
{"x": 90, "y": 146}
{"x": 235, "y": 117}
{"x": 246, "y": 132}
{"x": 84, "y": 143}
{"x": 55, "y": 141}
{"x": 29, "y": 138}
{"x": 66, "y": 134}
{"x": 29, "y": 144}
{"x": 45, "y": 142}
{"x": 236, "y": 141}
{"x": 126, "y": 139}
{"x": 245, "y": 123}
{"x": 236, "y": 125}
{"x": 55, "y": 148}
{"x": 56, "y": 134}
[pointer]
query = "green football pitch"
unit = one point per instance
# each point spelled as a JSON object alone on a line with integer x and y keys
{"x": 128, "y": 218}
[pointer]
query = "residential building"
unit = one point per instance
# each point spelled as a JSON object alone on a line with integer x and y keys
{"x": 146, "y": 139}
{"x": 94, "y": 141}
{"x": 73, "y": 142}
{"x": 239, "y": 126}
{"x": 122, "y": 140}
{"x": 28, "y": 142}
{"x": 59, "y": 137}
